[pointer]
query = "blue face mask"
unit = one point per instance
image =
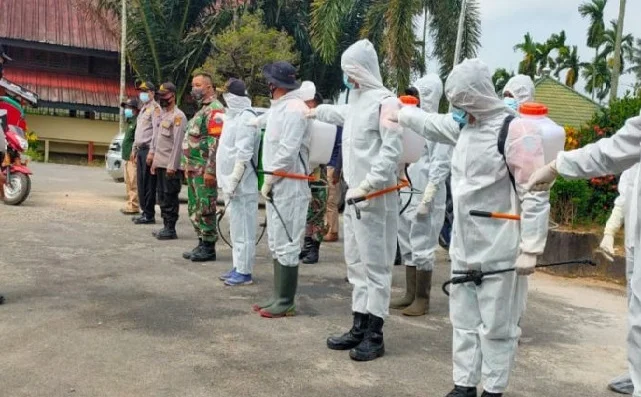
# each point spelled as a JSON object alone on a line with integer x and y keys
{"x": 129, "y": 113}
{"x": 144, "y": 97}
{"x": 511, "y": 103}
{"x": 350, "y": 86}
{"x": 460, "y": 116}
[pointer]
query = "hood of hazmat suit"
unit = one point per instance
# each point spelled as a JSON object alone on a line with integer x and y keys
{"x": 307, "y": 90}
{"x": 521, "y": 87}
{"x": 418, "y": 236}
{"x": 371, "y": 148}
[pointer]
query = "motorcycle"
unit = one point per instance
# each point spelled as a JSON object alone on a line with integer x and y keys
{"x": 14, "y": 167}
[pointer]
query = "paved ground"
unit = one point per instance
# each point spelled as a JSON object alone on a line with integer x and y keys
{"x": 97, "y": 307}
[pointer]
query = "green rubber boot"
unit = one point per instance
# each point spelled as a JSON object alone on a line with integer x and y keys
{"x": 261, "y": 305}
{"x": 410, "y": 290}
{"x": 284, "y": 306}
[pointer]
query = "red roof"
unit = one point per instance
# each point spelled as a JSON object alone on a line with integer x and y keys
{"x": 68, "y": 88}
{"x": 58, "y": 22}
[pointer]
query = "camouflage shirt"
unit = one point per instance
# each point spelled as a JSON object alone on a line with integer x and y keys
{"x": 201, "y": 140}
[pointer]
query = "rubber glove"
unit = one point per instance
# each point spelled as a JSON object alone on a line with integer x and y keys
{"x": 236, "y": 176}
{"x": 362, "y": 190}
{"x": 266, "y": 190}
{"x": 311, "y": 114}
{"x": 607, "y": 247}
{"x": 543, "y": 178}
{"x": 525, "y": 264}
{"x": 424, "y": 207}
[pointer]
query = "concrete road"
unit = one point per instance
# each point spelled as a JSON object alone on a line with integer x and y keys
{"x": 97, "y": 307}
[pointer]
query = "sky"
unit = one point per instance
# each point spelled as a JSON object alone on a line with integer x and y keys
{"x": 505, "y": 22}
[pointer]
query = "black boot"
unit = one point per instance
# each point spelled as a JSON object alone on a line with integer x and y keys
{"x": 312, "y": 254}
{"x": 207, "y": 252}
{"x": 488, "y": 394}
{"x": 188, "y": 254}
{"x": 372, "y": 346}
{"x": 143, "y": 220}
{"x": 353, "y": 337}
{"x": 462, "y": 391}
{"x": 306, "y": 247}
{"x": 1, "y": 299}
{"x": 166, "y": 233}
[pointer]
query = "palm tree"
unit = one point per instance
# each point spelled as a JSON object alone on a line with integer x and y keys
{"x": 594, "y": 10}
{"x": 571, "y": 62}
{"x": 618, "y": 55}
{"x": 529, "y": 49}
{"x": 556, "y": 42}
{"x": 500, "y": 78}
{"x": 598, "y": 78}
{"x": 609, "y": 44}
{"x": 167, "y": 41}
{"x": 634, "y": 57}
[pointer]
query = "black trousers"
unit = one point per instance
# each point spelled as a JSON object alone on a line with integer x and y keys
{"x": 146, "y": 184}
{"x": 168, "y": 190}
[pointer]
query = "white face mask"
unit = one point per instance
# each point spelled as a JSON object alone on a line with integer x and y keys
{"x": 235, "y": 101}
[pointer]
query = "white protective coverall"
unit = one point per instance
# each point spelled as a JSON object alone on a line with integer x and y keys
{"x": 521, "y": 87}
{"x": 372, "y": 147}
{"x": 418, "y": 235}
{"x": 286, "y": 148}
{"x": 612, "y": 156}
{"x": 485, "y": 317}
{"x": 237, "y": 149}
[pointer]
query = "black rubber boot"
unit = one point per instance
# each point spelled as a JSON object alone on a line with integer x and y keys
{"x": 462, "y": 391}
{"x": 1, "y": 299}
{"x": 206, "y": 253}
{"x": 372, "y": 346}
{"x": 261, "y": 305}
{"x": 353, "y": 337}
{"x": 306, "y": 247}
{"x": 285, "y": 305}
{"x": 488, "y": 394}
{"x": 312, "y": 254}
{"x": 188, "y": 254}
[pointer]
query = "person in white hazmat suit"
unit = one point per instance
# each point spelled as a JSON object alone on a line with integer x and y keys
{"x": 422, "y": 220}
{"x": 609, "y": 156}
{"x": 236, "y": 159}
{"x": 624, "y": 211}
{"x": 485, "y": 317}
{"x": 285, "y": 149}
{"x": 518, "y": 90}
{"x": 371, "y": 147}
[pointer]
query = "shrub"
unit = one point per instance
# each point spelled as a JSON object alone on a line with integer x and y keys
{"x": 570, "y": 201}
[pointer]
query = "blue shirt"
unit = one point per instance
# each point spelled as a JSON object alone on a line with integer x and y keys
{"x": 335, "y": 160}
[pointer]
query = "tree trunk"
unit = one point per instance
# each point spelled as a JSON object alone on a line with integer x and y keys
{"x": 596, "y": 56}
{"x": 123, "y": 61}
{"x": 616, "y": 72}
{"x": 425, "y": 34}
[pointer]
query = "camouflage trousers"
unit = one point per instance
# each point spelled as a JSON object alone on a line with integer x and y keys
{"x": 315, "y": 227}
{"x": 201, "y": 204}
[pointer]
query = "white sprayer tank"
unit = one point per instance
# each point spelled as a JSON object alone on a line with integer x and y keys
{"x": 413, "y": 143}
{"x": 321, "y": 145}
{"x": 552, "y": 133}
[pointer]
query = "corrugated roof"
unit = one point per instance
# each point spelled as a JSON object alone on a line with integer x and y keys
{"x": 58, "y": 22}
{"x": 566, "y": 106}
{"x": 69, "y": 89}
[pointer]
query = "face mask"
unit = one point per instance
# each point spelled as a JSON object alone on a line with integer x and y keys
{"x": 164, "y": 103}
{"x": 198, "y": 94}
{"x": 511, "y": 103}
{"x": 350, "y": 86}
{"x": 129, "y": 113}
{"x": 460, "y": 116}
{"x": 144, "y": 97}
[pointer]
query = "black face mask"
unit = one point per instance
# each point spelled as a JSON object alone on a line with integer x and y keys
{"x": 165, "y": 103}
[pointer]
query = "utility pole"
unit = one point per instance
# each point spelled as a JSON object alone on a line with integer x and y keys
{"x": 123, "y": 61}
{"x": 616, "y": 72}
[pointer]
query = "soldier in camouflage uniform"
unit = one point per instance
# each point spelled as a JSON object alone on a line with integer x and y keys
{"x": 199, "y": 163}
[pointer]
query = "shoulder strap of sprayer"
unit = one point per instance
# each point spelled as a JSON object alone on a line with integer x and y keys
{"x": 501, "y": 145}
{"x": 260, "y": 147}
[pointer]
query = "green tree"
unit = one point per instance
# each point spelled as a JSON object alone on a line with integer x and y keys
{"x": 529, "y": 49}
{"x": 634, "y": 58}
{"x": 241, "y": 51}
{"x": 595, "y": 11}
{"x": 571, "y": 62}
{"x": 500, "y": 78}
{"x": 609, "y": 44}
{"x": 166, "y": 40}
{"x": 555, "y": 43}
{"x": 618, "y": 53}
{"x": 598, "y": 78}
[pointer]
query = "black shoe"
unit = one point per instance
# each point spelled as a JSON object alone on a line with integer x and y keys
{"x": 143, "y": 220}
{"x": 488, "y": 394}
{"x": 462, "y": 391}
{"x": 351, "y": 338}
{"x": 306, "y": 247}
{"x": 1, "y": 299}
{"x": 165, "y": 234}
{"x": 207, "y": 252}
{"x": 312, "y": 254}
{"x": 372, "y": 346}
{"x": 188, "y": 254}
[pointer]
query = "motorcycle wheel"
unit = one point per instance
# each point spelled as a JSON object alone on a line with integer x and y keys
{"x": 17, "y": 189}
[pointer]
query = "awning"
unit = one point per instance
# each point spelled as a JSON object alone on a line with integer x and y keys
{"x": 20, "y": 92}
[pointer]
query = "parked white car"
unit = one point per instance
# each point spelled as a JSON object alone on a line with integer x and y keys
{"x": 113, "y": 160}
